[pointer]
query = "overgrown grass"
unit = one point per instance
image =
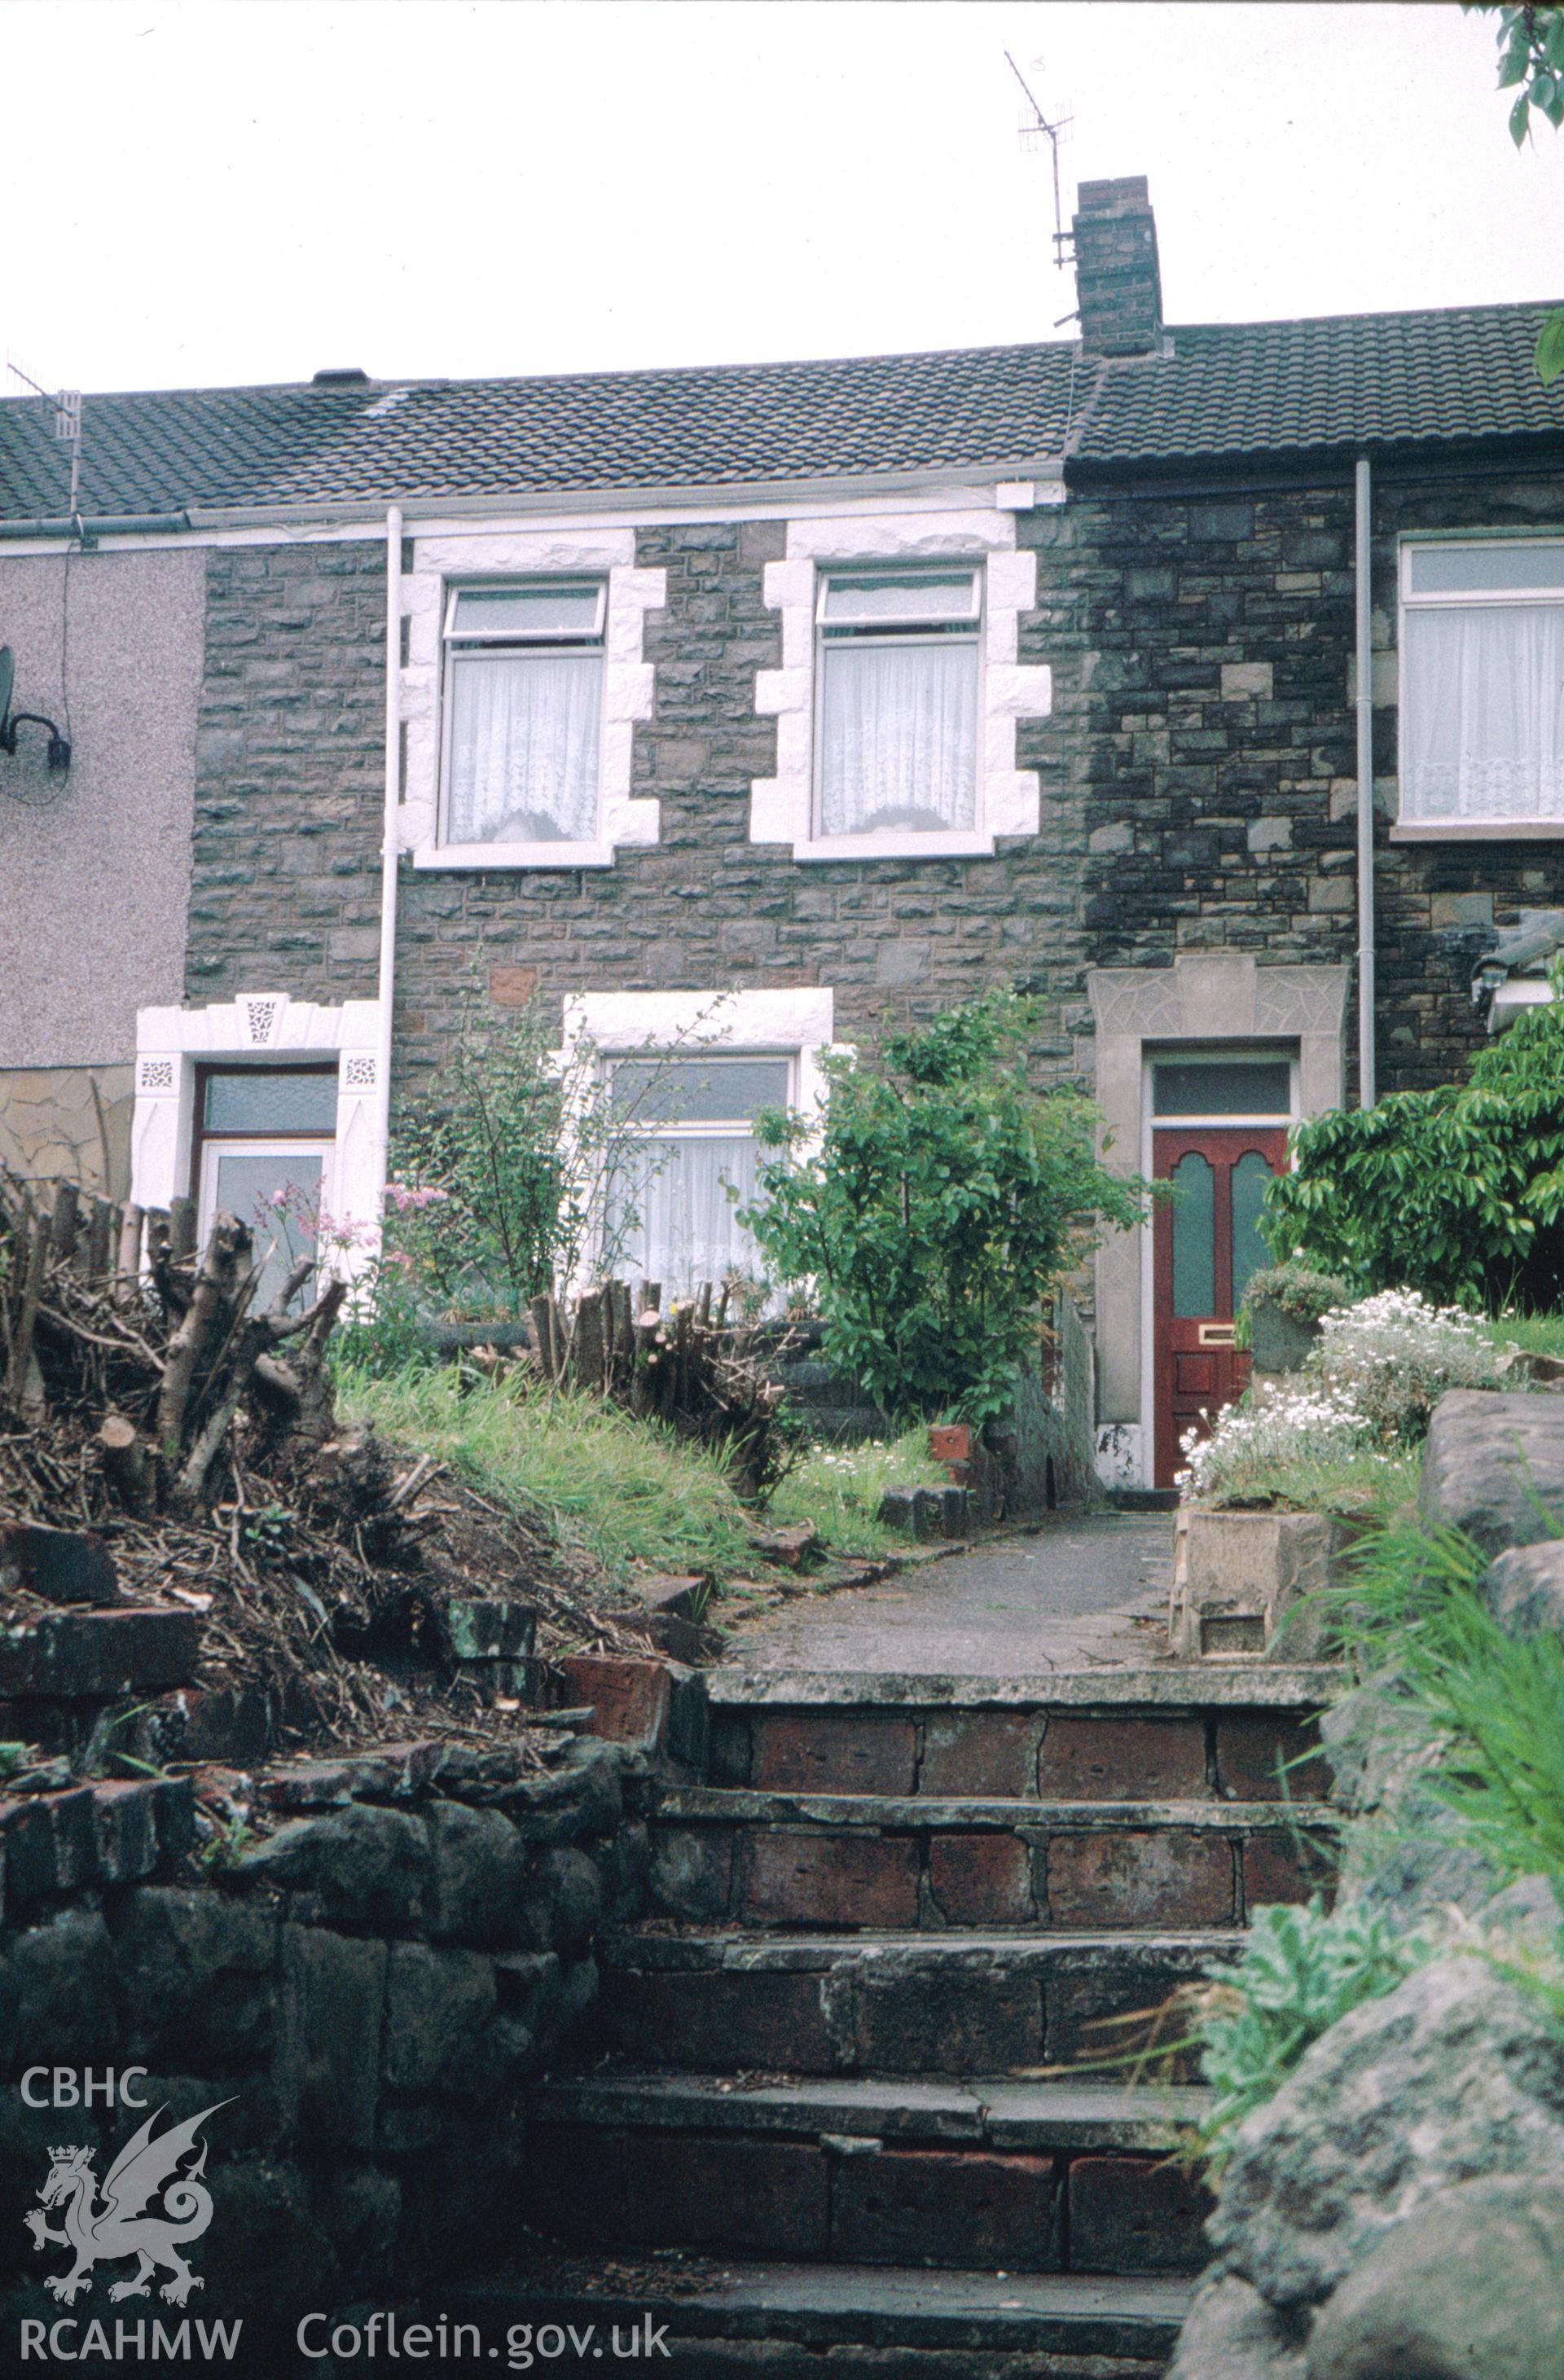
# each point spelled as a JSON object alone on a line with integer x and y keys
{"x": 627, "y": 1490}
{"x": 839, "y": 1488}
{"x": 1538, "y": 1334}
{"x": 1412, "y": 1608}
{"x": 1369, "y": 1486}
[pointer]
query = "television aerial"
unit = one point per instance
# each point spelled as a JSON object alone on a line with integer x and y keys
{"x": 1033, "y": 135}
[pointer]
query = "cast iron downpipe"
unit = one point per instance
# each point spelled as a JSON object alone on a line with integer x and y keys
{"x": 1362, "y": 559}
{"x": 389, "y": 841}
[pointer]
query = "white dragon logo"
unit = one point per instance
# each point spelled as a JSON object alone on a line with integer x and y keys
{"x": 146, "y": 2170}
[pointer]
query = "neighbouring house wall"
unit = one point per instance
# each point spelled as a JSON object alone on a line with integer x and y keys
{"x": 52, "y": 1129}
{"x": 94, "y": 862}
{"x": 1204, "y": 688}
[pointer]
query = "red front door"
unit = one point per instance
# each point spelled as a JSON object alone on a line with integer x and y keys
{"x": 1206, "y": 1244}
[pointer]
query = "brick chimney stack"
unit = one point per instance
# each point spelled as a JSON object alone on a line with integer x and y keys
{"x": 1118, "y": 285}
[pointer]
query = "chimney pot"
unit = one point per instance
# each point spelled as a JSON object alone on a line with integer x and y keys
{"x": 1118, "y": 283}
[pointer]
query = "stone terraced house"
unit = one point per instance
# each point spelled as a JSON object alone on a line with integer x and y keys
{"x": 825, "y": 692}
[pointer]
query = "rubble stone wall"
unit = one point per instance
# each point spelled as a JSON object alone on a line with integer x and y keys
{"x": 367, "y": 1990}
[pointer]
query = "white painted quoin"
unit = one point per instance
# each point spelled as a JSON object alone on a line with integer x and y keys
{"x": 484, "y": 557}
{"x": 269, "y": 1031}
{"x": 782, "y": 807}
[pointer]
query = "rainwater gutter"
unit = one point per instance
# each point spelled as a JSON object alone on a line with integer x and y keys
{"x": 1363, "y": 558}
{"x": 390, "y": 840}
{"x": 88, "y": 528}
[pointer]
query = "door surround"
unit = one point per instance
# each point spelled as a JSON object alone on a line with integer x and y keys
{"x": 1212, "y": 998}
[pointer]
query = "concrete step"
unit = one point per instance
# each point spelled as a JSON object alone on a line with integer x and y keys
{"x": 854, "y": 2321}
{"x": 891, "y": 1863}
{"x": 1026, "y": 2176}
{"x": 1103, "y": 1753}
{"x": 959, "y": 2002}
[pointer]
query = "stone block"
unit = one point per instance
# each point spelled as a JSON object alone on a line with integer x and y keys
{"x": 60, "y": 1986}
{"x": 1243, "y": 680}
{"x": 476, "y": 1875}
{"x": 1090, "y": 1992}
{"x": 686, "y": 2190}
{"x": 51, "y": 1844}
{"x": 88, "y": 1655}
{"x": 1283, "y": 1865}
{"x": 1260, "y": 1568}
{"x": 799, "y": 1879}
{"x": 691, "y": 1871}
{"x": 488, "y": 1628}
{"x": 1493, "y": 1465}
{"x": 60, "y": 1565}
{"x": 629, "y": 1699}
{"x": 195, "y": 1971}
{"x": 327, "y": 2070}
{"x": 437, "y": 2006}
{"x": 982, "y": 2021}
{"x": 971, "y": 1751}
{"x": 125, "y": 1820}
{"x": 364, "y": 1865}
{"x": 1131, "y": 2214}
{"x": 1268, "y": 1756}
{"x": 1162, "y": 1877}
{"x": 981, "y": 1880}
{"x": 1110, "y": 1758}
{"x": 565, "y": 1899}
{"x": 1524, "y": 1589}
{"x": 968, "y": 2207}
{"x": 720, "y": 2022}
{"x": 829, "y": 1751}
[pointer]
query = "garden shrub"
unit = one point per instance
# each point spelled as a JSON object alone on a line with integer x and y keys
{"x": 1393, "y": 1357}
{"x": 945, "y": 1197}
{"x": 1252, "y": 1447}
{"x": 1458, "y": 1192}
{"x": 1298, "y": 1289}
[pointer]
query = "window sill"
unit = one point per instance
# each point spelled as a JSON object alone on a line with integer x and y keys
{"x": 1478, "y": 831}
{"x": 969, "y": 844}
{"x": 500, "y": 855}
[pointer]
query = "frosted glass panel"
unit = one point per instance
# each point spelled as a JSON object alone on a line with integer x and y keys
{"x": 1194, "y": 1222}
{"x": 528, "y": 611}
{"x": 883, "y": 601}
{"x": 274, "y": 1102}
{"x": 1249, "y": 1086}
{"x": 1251, "y": 1176}
{"x": 277, "y": 1193}
{"x": 698, "y": 1090}
{"x": 1487, "y": 569}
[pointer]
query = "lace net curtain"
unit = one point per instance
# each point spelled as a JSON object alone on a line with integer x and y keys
{"x": 524, "y": 748}
{"x": 1483, "y": 726}
{"x": 898, "y": 737}
{"x": 688, "y": 1230}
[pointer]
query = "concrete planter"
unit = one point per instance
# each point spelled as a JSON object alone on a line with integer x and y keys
{"x": 1279, "y": 1341}
{"x": 1241, "y": 1581}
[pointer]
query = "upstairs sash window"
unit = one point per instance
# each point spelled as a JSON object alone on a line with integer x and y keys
{"x": 897, "y": 710}
{"x": 524, "y": 707}
{"x": 1482, "y": 682}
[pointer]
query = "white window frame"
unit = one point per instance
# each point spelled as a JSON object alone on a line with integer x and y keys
{"x": 456, "y": 644}
{"x": 795, "y": 1024}
{"x": 708, "y": 1128}
{"x": 475, "y": 560}
{"x": 216, "y": 1145}
{"x": 1459, "y": 829}
{"x": 782, "y": 807}
{"x": 968, "y": 632}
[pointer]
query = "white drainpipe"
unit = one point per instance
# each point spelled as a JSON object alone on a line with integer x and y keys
{"x": 1367, "y": 1081}
{"x": 389, "y": 844}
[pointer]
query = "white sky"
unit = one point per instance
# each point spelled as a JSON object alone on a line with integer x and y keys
{"x": 202, "y": 192}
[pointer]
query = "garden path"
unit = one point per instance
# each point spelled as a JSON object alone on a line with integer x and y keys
{"x": 1079, "y": 1590}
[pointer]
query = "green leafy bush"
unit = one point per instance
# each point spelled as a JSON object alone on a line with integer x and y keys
{"x": 943, "y": 1200}
{"x": 1298, "y": 1289}
{"x": 1458, "y": 1192}
{"x": 1302, "y": 1971}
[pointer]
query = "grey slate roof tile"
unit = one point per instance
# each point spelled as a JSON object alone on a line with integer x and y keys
{"x": 1224, "y": 390}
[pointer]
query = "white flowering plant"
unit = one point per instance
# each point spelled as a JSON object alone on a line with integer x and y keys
{"x": 1315, "y": 1425}
{"x": 1393, "y": 1357}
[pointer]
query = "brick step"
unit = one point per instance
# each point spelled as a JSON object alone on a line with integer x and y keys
{"x": 889, "y": 1863}
{"x": 1026, "y": 2176}
{"x": 854, "y": 2322}
{"x": 931, "y": 2003}
{"x": 1093, "y": 1753}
